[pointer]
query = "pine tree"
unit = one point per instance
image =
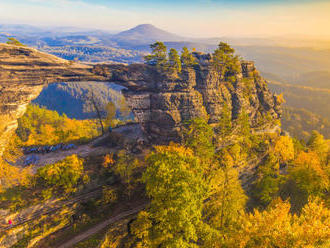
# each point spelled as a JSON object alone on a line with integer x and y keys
{"x": 158, "y": 56}
{"x": 227, "y": 199}
{"x": 187, "y": 59}
{"x": 225, "y": 62}
{"x": 318, "y": 144}
{"x": 174, "y": 61}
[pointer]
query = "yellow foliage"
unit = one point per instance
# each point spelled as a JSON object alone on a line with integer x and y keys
{"x": 108, "y": 160}
{"x": 277, "y": 227}
{"x": 45, "y": 127}
{"x": 284, "y": 148}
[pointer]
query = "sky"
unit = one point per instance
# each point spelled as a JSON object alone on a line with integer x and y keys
{"x": 196, "y": 18}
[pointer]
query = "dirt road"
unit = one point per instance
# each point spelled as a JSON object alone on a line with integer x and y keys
{"x": 99, "y": 227}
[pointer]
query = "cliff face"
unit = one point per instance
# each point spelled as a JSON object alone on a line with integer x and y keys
{"x": 160, "y": 101}
{"x": 23, "y": 72}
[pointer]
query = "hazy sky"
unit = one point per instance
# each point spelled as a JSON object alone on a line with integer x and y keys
{"x": 187, "y": 17}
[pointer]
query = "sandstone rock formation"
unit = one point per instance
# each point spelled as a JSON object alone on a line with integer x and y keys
{"x": 161, "y": 102}
{"x": 23, "y": 73}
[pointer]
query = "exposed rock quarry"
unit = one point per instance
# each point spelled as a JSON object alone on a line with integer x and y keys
{"x": 160, "y": 102}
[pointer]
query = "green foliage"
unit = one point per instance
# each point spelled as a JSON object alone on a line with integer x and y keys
{"x": 224, "y": 61}
{"x": 13, "y": 41}
{"x": 267, "y": 185}
{"x": 174, "y": 183}
{"x": 158, "y": 56}
{"x": 125, "y": 167}
{"x": 243, "y": 121}
{"x": 225, "y": 123}
{"x": 174, "y": 61}
{"x": 318, "y": 144}
{"x": 197, "y": 199}
{"x": 199, "y": 137}
{"x": 64, "y": 174}
{"x": 187, "y": 59}
{"x": 227, "y": 199}
{"x": 40, "y": 126}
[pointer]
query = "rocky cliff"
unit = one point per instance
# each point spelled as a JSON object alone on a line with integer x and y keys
{"x": 23, "y": 73}
{"x": 160, "y": 101}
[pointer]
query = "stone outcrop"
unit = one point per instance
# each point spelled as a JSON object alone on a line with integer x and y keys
{"x": 23, "y": 73}
{"x": 161, "y": 102}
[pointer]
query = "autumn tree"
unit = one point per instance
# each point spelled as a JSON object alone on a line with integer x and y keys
{"x": 124, "y": 107}
{"x": 284, "y": 149}
{"x": 63, "y": 174}
{"x": 110, "y": 109}
{"x": 227, "y": 199}
{"x": 174, "y": 182}
{"x": 40, "y": 126}
{"x": 125, "y": 167}
{"x": 278, "y": 227}
{"x": 318, "y": 144}
{"x": 187, "y": 59}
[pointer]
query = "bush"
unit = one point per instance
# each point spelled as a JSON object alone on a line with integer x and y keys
{"x": 64, "y": 174}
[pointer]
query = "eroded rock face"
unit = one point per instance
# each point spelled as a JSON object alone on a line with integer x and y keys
{"x": 160, "y": 101}
{"x": 23, "y": 73}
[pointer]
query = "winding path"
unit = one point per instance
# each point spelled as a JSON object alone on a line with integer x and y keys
{"x": 99, "y": 227}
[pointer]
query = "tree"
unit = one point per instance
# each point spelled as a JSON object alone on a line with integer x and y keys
{"x": 187, "y": 59}
{"x": 243, "y": 122}
{"x": 318, "y": 144}
{"x": 13, "y": 41}
{"x": 174, "y": 61}
{"x": 225, "y": 123}
{"x": 174, "y": 182}
{"x": 140, "y": 228}
{"x": 92, "y": 101}
{"x": 268, "y": 182}
{"x": 123, "y": 107}
{"x": 125, "y": 167}
{"x": 198, "y": 136}
{"x": 306, "y": 178}
{"x": 277, "y": 227}
{"x": 110, "y": 109}
{"x": 224, "y": 61}
{"x": 227, "y": 199}
{"x": 63, "y": 174}
{"x": 158, "y": 56}
{"x": 284, "y": 149}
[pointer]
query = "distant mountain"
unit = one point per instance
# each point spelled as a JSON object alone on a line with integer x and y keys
{"x": 283, "y": 63}
{"x": 145, "y": 34}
